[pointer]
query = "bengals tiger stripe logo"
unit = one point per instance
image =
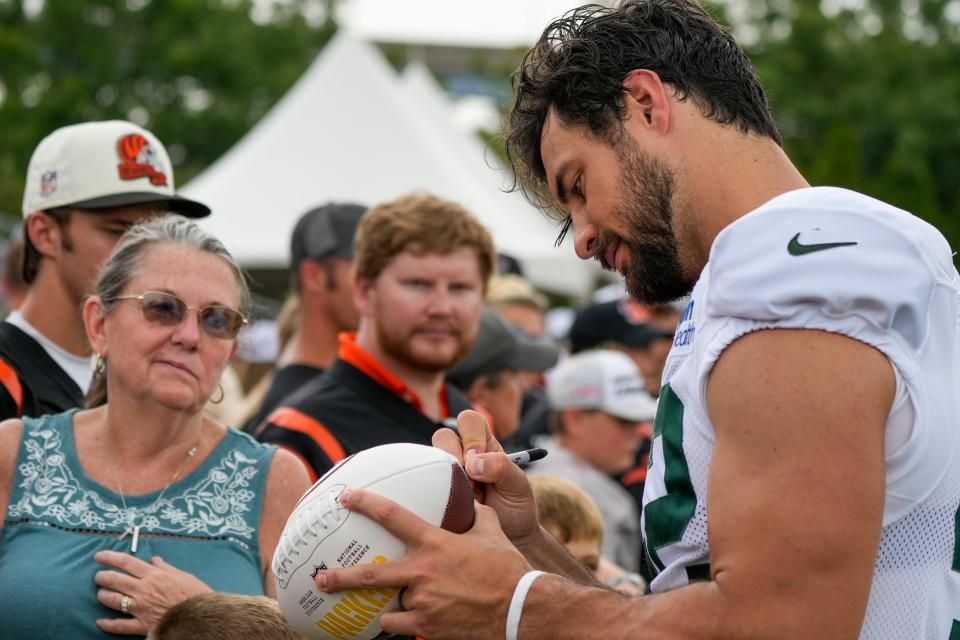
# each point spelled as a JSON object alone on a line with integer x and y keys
{"x": 138, "y": 160}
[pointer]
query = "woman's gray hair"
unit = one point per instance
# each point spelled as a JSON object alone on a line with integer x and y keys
{"x": 126, "y": 259}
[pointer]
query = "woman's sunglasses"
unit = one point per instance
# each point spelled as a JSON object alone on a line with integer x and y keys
{"x": 168, "y": 310}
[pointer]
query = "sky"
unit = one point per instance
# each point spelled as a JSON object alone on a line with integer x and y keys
{"x": 490, "y": 23}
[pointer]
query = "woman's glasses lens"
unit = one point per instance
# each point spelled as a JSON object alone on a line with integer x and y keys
{"x": 220, "y": 322}
{"x": 169, "y": 310}
{"x": 163, "y": 309}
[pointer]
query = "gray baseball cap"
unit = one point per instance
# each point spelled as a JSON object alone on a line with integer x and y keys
{"x": 499, "y": 347}
{"x": 325, "y": 231}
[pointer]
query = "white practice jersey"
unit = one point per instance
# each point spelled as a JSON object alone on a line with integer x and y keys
{"x": 830, "y": 259}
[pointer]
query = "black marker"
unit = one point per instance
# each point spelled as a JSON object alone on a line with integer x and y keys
{"x": 523, "y": 458}
{"x": 519, "y": 458}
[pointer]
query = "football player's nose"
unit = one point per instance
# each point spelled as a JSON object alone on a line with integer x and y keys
{"x": 586, "y": 239}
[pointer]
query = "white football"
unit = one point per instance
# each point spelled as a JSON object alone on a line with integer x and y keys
{"x": 321, "y": 534}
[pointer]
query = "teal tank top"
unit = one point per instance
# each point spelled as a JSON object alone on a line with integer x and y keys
{"x": 206, "y": 523}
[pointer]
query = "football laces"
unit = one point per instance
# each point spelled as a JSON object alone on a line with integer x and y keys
{"x": 325, "y": 513}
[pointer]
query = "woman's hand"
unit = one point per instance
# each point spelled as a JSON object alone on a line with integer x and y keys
{"x": 152, "y": 588}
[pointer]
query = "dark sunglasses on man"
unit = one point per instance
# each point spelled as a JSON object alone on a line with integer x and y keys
{"x": 168, "y": 310}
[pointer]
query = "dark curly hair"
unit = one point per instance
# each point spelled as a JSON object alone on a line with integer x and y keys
{"x": 578, "y": 65}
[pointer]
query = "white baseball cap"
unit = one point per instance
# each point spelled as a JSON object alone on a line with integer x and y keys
{"x": 96, "y": 165}
{"x": 601, "y": 379}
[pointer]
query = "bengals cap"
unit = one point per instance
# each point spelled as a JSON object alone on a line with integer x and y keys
{"x": 96, "y": 165}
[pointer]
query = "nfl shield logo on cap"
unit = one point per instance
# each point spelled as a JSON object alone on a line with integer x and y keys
{"x": 48, "y": 183}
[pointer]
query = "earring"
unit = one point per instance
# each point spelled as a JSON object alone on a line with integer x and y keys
{"x": 100, "y": 365}
{"x": 220, "y": 399}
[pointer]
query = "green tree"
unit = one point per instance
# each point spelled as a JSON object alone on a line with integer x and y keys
{"x": 198, "y": 73}
{"x": 867, "y": 95}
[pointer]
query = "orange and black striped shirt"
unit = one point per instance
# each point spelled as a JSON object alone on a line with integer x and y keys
{"x": 356, "y": 404}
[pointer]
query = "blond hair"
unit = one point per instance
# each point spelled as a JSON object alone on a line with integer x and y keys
{"x": 567, "y": 509}
{"x": 224, "y": 616}
{"x": 421, "y": 224}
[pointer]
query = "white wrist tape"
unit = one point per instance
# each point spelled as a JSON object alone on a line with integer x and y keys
{"x": 516, "y": 603}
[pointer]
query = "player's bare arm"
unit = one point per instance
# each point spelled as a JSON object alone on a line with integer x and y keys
{"x": 796, "y": 488}
{"x": 795, "y": 496}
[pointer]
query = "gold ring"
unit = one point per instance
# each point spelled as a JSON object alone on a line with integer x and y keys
{"x": 126, "y": 603}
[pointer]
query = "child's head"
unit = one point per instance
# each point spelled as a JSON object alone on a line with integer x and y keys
{"x": 224, "y": 616}
{"x": 570, "y": 516}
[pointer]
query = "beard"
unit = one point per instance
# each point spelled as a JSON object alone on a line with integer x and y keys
{"x": 401, "y": 347}
{"x": 654, "y": 275}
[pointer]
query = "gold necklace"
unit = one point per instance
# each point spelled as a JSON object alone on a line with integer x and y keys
{"x": 134, "y": 529}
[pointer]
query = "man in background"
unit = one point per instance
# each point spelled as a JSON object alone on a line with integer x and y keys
{"x": 625, "y": 326}
{"x": 321, "y": 260}
{"x": 490, "y": 373}
{"x": 644, "y": 334}
{"x": 86, "y": 184}
{"x": 599, "y": 409}
{"x": 519, "y": 303}
{"x": 421, "y": 267}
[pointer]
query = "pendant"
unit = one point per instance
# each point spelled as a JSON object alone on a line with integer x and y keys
{"x": 135, "y": 542}
{"x": 136, "y": 539}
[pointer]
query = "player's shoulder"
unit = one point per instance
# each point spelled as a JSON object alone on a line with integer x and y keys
{"x": 813, "y": 224}
{"x": 833, "y": 248}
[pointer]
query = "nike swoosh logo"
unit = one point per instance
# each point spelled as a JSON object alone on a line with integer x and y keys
{"x": 794, "y": 247}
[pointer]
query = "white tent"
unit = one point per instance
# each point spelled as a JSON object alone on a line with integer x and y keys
{"x": 494, "y": 24}
{"x": 349, "y": 130}
{"x": 542, "y": 261}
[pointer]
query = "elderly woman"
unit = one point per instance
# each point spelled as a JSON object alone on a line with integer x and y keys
{"x": 115, "y": 513}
